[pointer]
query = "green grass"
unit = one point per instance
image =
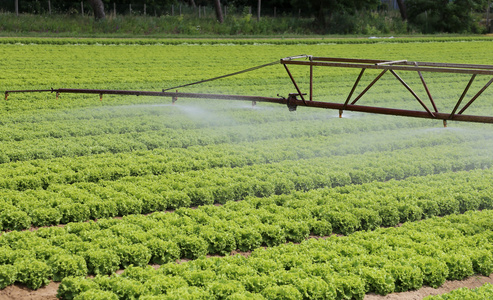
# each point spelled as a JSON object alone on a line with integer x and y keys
{"x": 189, "y": 25}
{"x": 141, "y": 26}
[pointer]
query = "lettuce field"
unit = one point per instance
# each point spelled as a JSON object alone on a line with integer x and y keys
{"x": 135, "y": 198}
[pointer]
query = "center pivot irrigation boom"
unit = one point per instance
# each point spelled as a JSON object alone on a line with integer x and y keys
{"x": 298, "y": 98}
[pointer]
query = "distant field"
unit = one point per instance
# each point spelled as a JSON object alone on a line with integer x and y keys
{"x": 298, "y": 174}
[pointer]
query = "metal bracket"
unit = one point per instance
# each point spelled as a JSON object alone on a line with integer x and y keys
{"x": 391, "y": 62}
{"x": 291, "y": 102}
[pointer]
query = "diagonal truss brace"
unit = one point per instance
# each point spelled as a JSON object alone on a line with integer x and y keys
{"x": 402, "y": 65}
{"x": 476, "y": 96}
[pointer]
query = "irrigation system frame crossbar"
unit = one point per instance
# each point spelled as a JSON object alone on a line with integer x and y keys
{"x": 292, "y": 101}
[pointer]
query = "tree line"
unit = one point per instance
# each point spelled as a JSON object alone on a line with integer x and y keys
{"x": 428, "y": 16}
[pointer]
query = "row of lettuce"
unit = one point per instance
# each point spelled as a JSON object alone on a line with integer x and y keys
{"x": 229, "y": 41}
{"x": 480, "y": 293}
{"x": 102, "y": 247}
{"x": 150, "y": 115}
{"x": 23, "y": 142}
{"x": 81, "y": 201}
{"x": 212, "y": 154}
{"x": 381, "y": 261}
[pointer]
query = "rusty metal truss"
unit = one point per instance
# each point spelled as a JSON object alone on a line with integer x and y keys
{"x": 298, "y": 98}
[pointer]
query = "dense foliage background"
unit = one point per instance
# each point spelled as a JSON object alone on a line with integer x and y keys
{"x": 291, "y": 16}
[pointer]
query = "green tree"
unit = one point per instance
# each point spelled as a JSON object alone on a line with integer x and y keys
{"x": 324, "y": 9}
{"x": 451, "y": 16}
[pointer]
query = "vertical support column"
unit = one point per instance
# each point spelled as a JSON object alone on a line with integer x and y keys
{"x": 145, "y": 9}
{"x": 49, "y": 7}
{"x": 311, "y": 80}
{"x": 114, "y": 9}
{"x": 82, "y": 7}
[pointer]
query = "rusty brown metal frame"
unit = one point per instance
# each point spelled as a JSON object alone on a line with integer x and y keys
{"x": 393, "y": 66}
{"x": 293, "y": 102}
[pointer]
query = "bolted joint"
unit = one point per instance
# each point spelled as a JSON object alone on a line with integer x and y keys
{"x": 291, "y": 102}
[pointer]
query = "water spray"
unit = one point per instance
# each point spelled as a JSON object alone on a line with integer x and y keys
{"x": 298, "y": 98}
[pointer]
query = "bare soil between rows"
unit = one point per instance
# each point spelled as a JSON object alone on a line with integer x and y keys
{"x": 470, "y": 282}
{"x": 18, "y": 292}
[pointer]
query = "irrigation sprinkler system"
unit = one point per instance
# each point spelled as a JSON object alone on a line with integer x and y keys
{"x": 298, "y": 98}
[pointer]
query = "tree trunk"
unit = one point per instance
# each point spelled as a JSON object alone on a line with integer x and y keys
{"x": 321, "y": 15}
{"x": 219, "y": 12}
{"x": 98, "y": 8}
{"x": 259, "y": 7}
{"x": 489, "y": 28}
{"x": 16, "y": 7}
{"x": 402, "y": 9}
